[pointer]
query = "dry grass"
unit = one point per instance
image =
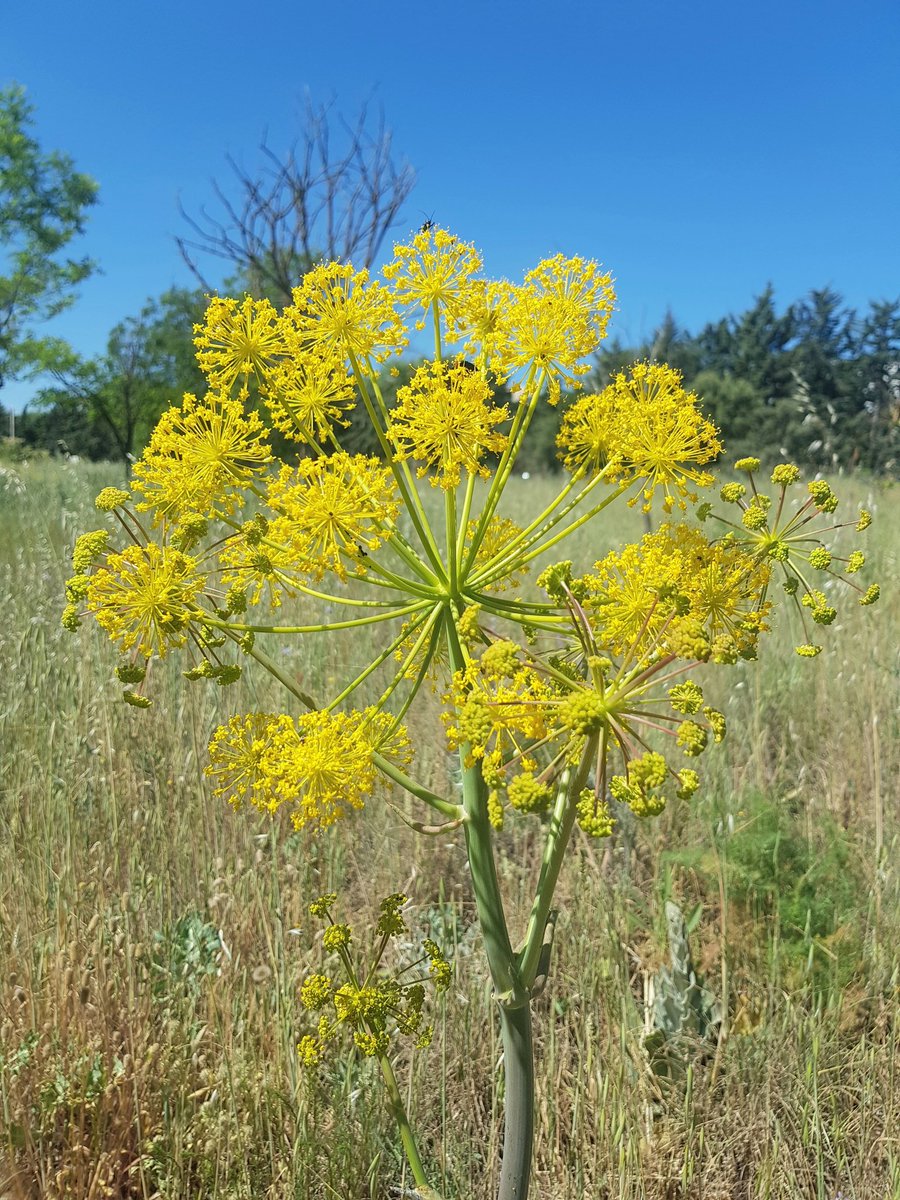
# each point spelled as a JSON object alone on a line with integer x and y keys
{"x": 151, "y": 941}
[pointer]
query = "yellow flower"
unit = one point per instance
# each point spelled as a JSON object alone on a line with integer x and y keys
{"x": 246, "y": 757}
{"x": 237, "y": 339}
{"x": 200, "y": 458}
{"x": 338, "y": 508}
{"x": 433, "y": 269}
{"x": 497, "y": 716}
{"x": 338, "y": 309}
{"x": 308, "y": 395}
{"x": 674, "y": 579}
{"x": 259, "y": 564}
{"x": 146, "y": 597}
{"x": 643, "y": 426}
{"x": 558, "y": 318}
{"x": 320, "y": 765}
{"x": 444, "y": 419}
{"x": 480, "y": 320}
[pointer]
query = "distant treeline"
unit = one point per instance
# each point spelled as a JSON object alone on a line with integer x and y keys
{"x": 818, "y": 383}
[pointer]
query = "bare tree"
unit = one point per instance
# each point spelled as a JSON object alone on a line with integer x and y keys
{"x": 309, "y": 204}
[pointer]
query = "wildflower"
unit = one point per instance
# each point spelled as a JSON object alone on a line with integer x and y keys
{"x": 559, "y": 317}
{"x": 432, "y": 270}
{"x": 309, "y": 394}
{"x": 855, "y": 562}
{"x": 527, "y": 794}
{"x": 479, "y": 318}
{"x": 146, "y": 596}
{"x": 823, "y": 497}
{"x": 200, "y": 458}
{"x": 70, "y": 619}
{"x": 245, "y": 759}
{"x": 646, "y": 427}
{"x": 315, "y": 992}
{"x": 321, "y": 905}
{"x": 791, "y": 537}
{"x": 237, "y": 339}
{"x": 337, "y": 309}
{"x": 445, "y": 420}
{"x": 593, "y": 815}
{"x": 111, "y": 498}
{"x": 254, "y": 563}
{"x": 785, "y": 474}
{"x": 692, "y": 738}
{"x": 89, "y": 547}
{"x": 336, "y": 508}
{"x": 654, "y": 590}
{"x": 689, "y": 781}
{"x": 336, "y": 937}
{"x": 872, "y": 593}
{"x": 321, "y": 765}
{"x": 390, "y": 923}
{"x": 686, "y": 697}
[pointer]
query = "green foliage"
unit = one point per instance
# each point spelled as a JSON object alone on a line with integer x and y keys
{"x": 800, "y": 890}
{"x": 682, "y": 1005}
{"x": 184, "y": 955}
{"x": 818, "y": 383}
{"x": 106, "y": 407}
{"x": 43, "y": 201}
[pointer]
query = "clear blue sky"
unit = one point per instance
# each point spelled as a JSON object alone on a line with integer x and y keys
{"x": 698, "y": 149}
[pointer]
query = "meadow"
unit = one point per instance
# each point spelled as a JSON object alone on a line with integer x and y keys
{"x": 152, "y": 940}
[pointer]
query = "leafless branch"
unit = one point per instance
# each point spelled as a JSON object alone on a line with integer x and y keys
{"x": 311, "y": 203}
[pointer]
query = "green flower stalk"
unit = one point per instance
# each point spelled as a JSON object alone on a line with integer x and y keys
{"x": 566, "y": 697}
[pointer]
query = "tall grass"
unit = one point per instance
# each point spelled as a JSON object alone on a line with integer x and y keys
{"x": 152, "y": 940}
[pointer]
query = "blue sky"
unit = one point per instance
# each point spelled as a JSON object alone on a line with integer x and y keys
{"x": 697, "y": 149}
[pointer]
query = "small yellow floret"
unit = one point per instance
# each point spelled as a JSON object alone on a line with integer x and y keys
{"x": 146, "y": 597}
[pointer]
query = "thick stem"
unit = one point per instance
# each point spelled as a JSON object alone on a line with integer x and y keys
{"x": 518, "y": 1069}
{"x": 509, "y": 991}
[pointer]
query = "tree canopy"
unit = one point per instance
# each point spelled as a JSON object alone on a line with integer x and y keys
{"x": 43, "y": 205}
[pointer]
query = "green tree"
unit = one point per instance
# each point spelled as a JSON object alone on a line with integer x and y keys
{"x": 43, "y": 202}
{"x": 877, "y": 377}
{"x": 149, "y": 363}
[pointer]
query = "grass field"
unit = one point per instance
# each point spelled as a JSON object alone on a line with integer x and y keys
{"x": 151, "y": 940}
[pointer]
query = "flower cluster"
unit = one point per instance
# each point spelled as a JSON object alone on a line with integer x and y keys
{"x": 375, "y": 1007}
{"x": 645, "y": 427}
{"x": 321, "y": 764}
{"x": 799, "y": 539}
{"x": 567, "y": 681}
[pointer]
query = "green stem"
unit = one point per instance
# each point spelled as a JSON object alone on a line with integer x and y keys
{"x": 406, "y": 1134}
{"x": 464, "y": 520}
{"x": 445, "y": 807}
{"x": 535, "y": 547}
{"x": 276, "y": 672}
{"x": 401, "y": 473}
{"x": 561, "y": 824}
{"x": 327, "y": 627}
{"x": 450, "y": 518}
{"x": 522, "y": 417}
{"x": 518, "y": 1071}
{"x": 376, "y": 662}
{"x": 509, "y": 992}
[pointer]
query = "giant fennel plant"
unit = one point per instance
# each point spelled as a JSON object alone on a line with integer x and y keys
{"x": 566, "y": 699}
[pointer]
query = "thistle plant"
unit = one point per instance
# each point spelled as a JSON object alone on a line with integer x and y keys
{"x": 571, "y": 692}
